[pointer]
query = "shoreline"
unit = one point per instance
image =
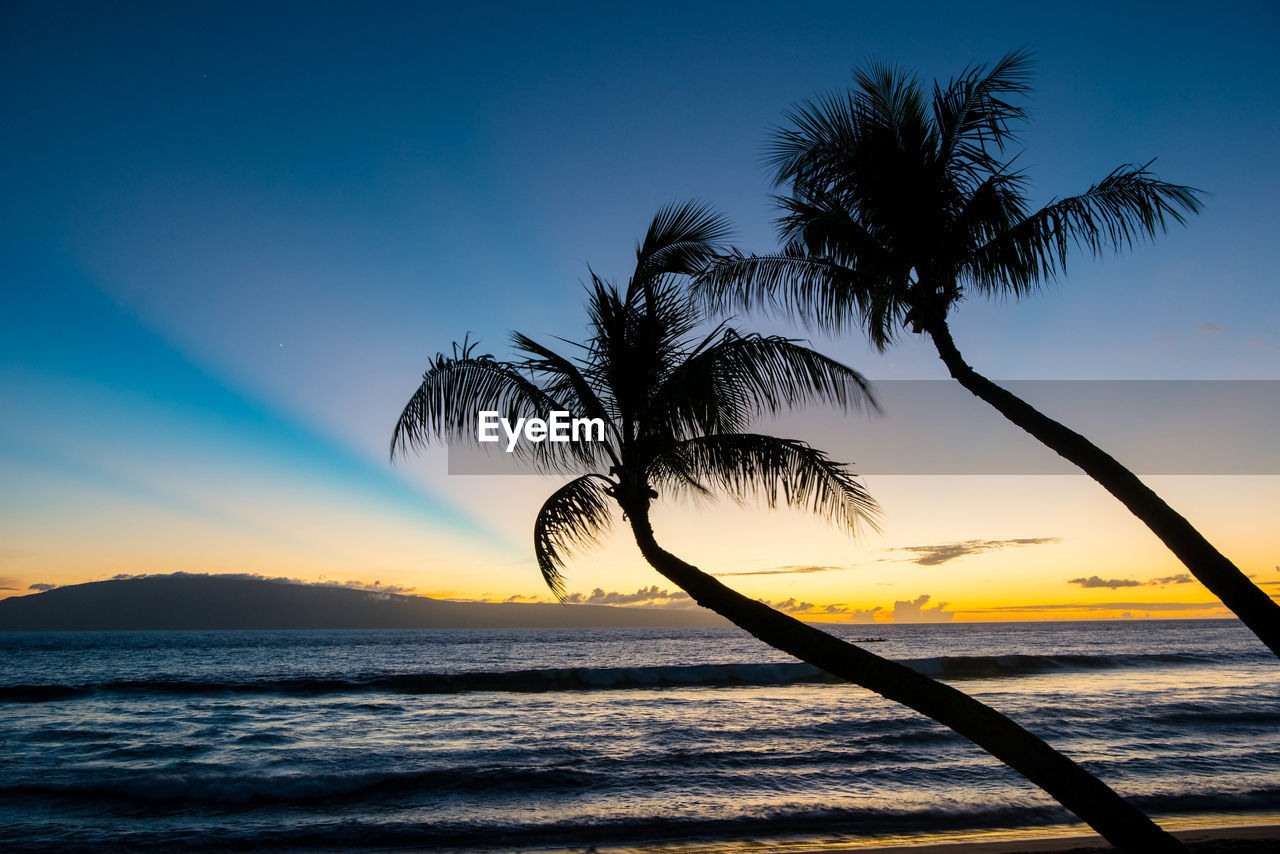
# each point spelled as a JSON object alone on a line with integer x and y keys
{"x": 1236, "y": 838}
{"x": 1206, "y": 835}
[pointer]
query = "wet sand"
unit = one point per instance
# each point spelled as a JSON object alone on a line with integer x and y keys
{"x": 1241, "y": 839}
{"x": 1264, "y": 839}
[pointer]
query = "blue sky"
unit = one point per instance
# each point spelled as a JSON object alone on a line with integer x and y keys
{"x": 257, "y": 221}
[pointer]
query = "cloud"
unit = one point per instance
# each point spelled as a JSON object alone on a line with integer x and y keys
{"x": 1109, "y": 583}
{"x": 914, "y": 611}
{"x": 854, "y": 615}
{"x": 1104, "y": 606}
{"x": 1180, "y": 578}
{"x": 650, "y": 597}
{"x": 41, "y": 587}
{"x": 654, "y": 597}
{"x": 790, "y": 606}
{"x": 782, "y": 570}
{"x": 375, "y": 587}
{"x": 797, "y": 607}
{"x": 1209, "y": 330}
{"x": 944, "y": 552}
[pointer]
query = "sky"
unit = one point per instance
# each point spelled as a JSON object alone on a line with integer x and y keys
{"x": 233, "y": 234}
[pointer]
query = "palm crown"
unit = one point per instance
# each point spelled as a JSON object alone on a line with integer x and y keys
{"x": 676, "y": 402}
{"x": 901, "y": 201}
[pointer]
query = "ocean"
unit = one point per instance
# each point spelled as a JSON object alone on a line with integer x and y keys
{"x": 570, "y": 738}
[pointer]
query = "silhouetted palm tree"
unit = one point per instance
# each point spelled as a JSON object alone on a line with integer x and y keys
{"x": 901, "y": 203}
{"x": 676, "y": 408}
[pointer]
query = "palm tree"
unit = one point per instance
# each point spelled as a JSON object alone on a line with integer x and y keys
{"x": 901, "y": 203}
{"x": 676, "y": 409}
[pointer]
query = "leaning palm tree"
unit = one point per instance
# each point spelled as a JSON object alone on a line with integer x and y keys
{"x": 676, "y": 409}
{"x": 902, "y": 203}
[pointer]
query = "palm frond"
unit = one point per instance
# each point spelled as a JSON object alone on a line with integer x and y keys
{"x": 824, "y": 224}
{"x": 565, "y": 382}
{"x": 749, "y": 465}
{"x": 573, "y": 516}
{"x": 731, "y": 381}
{"x": 993, "y": 207}
{"x": 791, "y": 283}
{"x": 1129, "y": 205}
{"x": 817, "y": 290}
{"x": 454, "y": 390}
{"x": 817, "y": 135}
{"x": 885, "y": 312}
{"x": 681, "y": 239}
{"x": 974, "y": 113}
{"x": 890, "y": 98}
{"x": 637, "y": 340}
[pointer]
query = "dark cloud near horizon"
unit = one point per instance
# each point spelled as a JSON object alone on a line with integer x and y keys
{"x": 1109, "y": 583}
{"x": 38, "y": 586}
{"x": 651, "y": 596}
{"x": 913, "y": 611}
{"x": 375, "y": 587}
{"x": 782, "y": 570}
{"x": 1180, "y": 578}
{"x": 797, "y": 607}
{"x": 939, "y": 553}
{"x": 1116, "y": 583}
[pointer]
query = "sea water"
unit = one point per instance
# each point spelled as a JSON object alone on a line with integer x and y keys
{"x": 525, "y": 739}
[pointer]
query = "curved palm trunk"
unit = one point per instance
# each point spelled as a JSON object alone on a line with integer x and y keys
{"x": 1255, "y": 608}
{"x": 1076, "y": 789}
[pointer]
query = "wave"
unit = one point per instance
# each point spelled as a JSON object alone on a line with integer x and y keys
{"x": 213, "y": 786}
{"x": 356, "y": 834}
{"x": 281, "y": 831}
{"x": 996, "y": 666}
{"x": 600, "y": 678}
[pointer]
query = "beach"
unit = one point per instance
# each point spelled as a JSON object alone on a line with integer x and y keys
{"x": 1242, "y": 839}
{"x": 1250, "y": 838}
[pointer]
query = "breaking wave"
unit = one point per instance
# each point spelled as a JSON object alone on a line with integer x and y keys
{"x": 598, "y": 678}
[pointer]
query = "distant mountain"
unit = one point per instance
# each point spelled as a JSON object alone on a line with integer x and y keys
{"x": 214, "y": 602}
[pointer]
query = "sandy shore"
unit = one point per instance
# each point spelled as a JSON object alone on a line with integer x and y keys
{"x": 1249, "y": 838}
{"x": 1262, "y": 839}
